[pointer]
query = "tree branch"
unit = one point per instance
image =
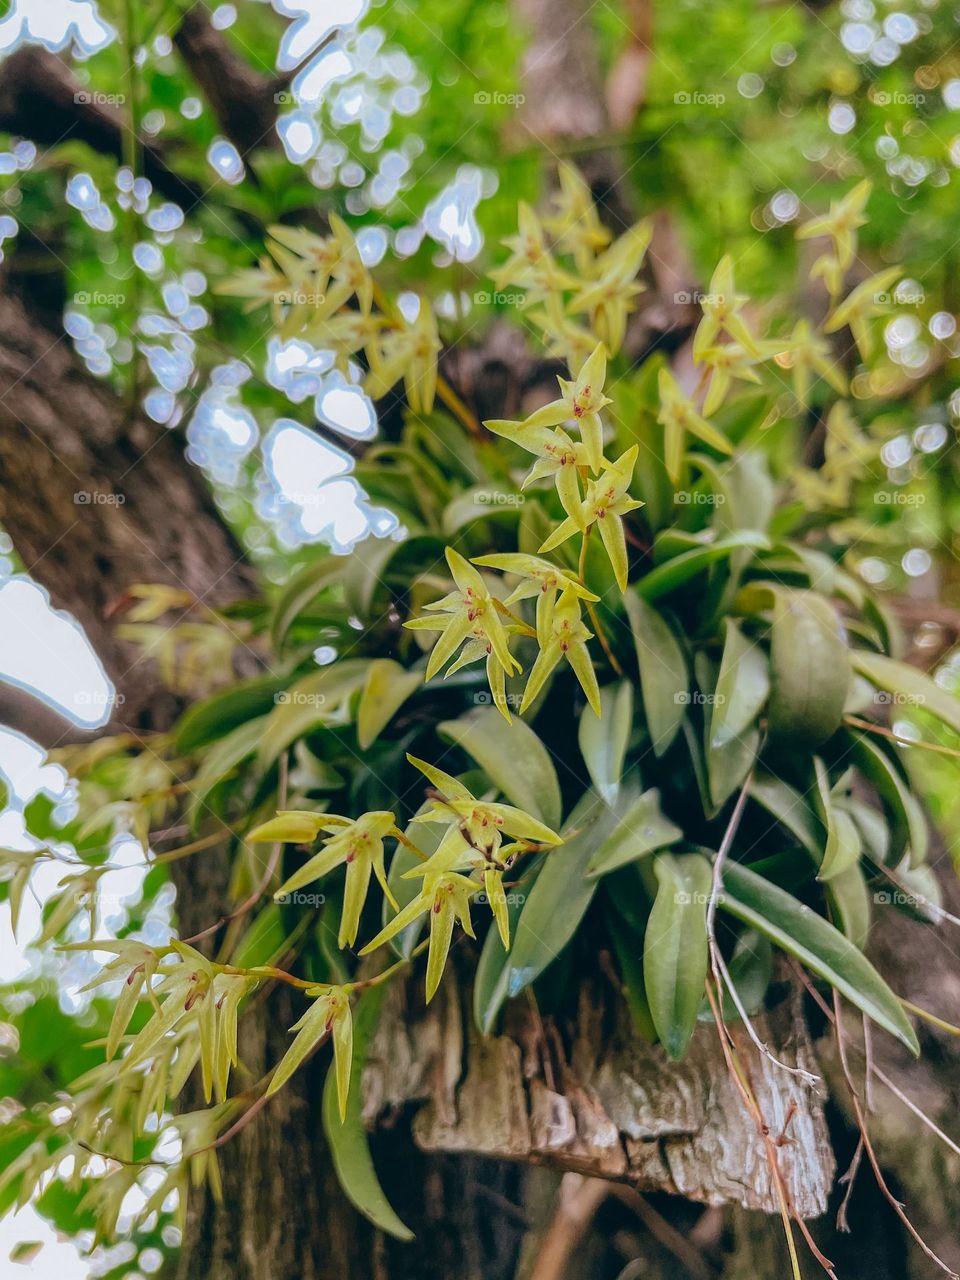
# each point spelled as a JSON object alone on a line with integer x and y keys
{"x": 244, "y": 102}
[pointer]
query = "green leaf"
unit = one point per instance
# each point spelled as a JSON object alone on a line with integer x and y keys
{"x": 347, "y": 1139}
{"x": 603, "y": 740}
{"x": 265, "y": 940}
{"x": 302, "y": 588}
{"x": 908, "y": 826}
{"x": 675, "y": 950}
{"x": 742, "y": 688}
{"x": 790, "y": 809}
{"x": 817, "y": 944}
{"x": 513, "y": 758}
{"x": 366, "y": 570}
{"x": 629, "y": 951}
{"x": 555, "y": 905}
{"x": 750, "y": 968}
{"x": 641, "y": 830}
{"x": 913, "y": 686}
{"x": 219, "y": 761}
{"x": 850, "y": 903}
{"x": 387, "y": 687}
{"x": 731, "y": 736}
{"x": 843, "y": 845}
{"x": 664, "y": 683}
{"x": 674, "y": 573}
{"x": 214, "y": 717}
{"x": 483, "y": 502}
{"x": 810, "y": 666}
{"x": 318, "y": 698}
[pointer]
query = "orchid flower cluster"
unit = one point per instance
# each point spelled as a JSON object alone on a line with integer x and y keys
{"x": 470, "y": 858}
{"x": 582, "y": 270}
{"x": 580, "y": 285}
{"x": 320, "y": 291}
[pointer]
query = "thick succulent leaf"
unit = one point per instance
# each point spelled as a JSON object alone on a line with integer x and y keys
{"x": 810, "y": 668}
{"x": 302, "y": 588}
{"x": 513, "y": 758}
{"x": 675, "y": 950}
{"x": 555, "y": 905}
{"x": 387, "y": 687}
{"x": 817, "y": 944}
{"x": 742, "y": 688}
{"x": 664, "y": 682}
{"x": 641, "y": 830}
{"x": 908, "y": 826}
{"x": 347, "y": 1137}
{"x": 603, "y": 740}
{"x": 913, "y": 686}
{"x": 312, "y": 701}
{"x": 681, "y": 568}
{"x": 215, "y": 717}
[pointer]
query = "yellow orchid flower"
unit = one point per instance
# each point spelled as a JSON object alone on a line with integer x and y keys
{"x": 539, "y": 578}
{"x": 558, "y": 457}
{"x": 806, "y": 353}
{"x": 481, "y": 822}
{"x": 841, "y": 224}
{"x": 409, "y": 353}
{"x": 321, "y": 253}
{"x": 567, "y": 639}
{"x": 265, "y": 283}
{"x": 328, "y": 1015}
{"x": 721, "y": 306}
{"x": 608, "y": 295}
{"x": 446, "y": 896}
{"x": 471, "y": 614}
{"x": 562, "y": 338}
{"x": 575, "y": 223}
{"x": 580, "y": 402}
{"x": 605, "y": 502}
{"x": 354, "y": 843}
{"x": 531, "y": 264}
{"x": 725, "y": 363}
{"x": 860, "y": 306}
{"x": 678, "y": 416}
{"x": 349, "y": 273}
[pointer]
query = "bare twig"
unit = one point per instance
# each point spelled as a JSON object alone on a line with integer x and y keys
{"x": 721, "y": 973}
{"x": 871, "y": 1154}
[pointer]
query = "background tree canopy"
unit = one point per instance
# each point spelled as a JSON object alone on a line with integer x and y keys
{"x": 480, "y": 640}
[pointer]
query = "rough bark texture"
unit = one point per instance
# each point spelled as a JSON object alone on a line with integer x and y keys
{"x": 62, "y": 434}
{"x": 584, "y": 1097}
{"x": 96, "y": 504}
{"x": 588, "y": 1095}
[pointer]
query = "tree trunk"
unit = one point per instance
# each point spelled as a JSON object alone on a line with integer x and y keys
{"x": 150, "y": 518}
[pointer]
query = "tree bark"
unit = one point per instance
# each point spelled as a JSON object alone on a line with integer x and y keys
{"x": 459, "y": 1120}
